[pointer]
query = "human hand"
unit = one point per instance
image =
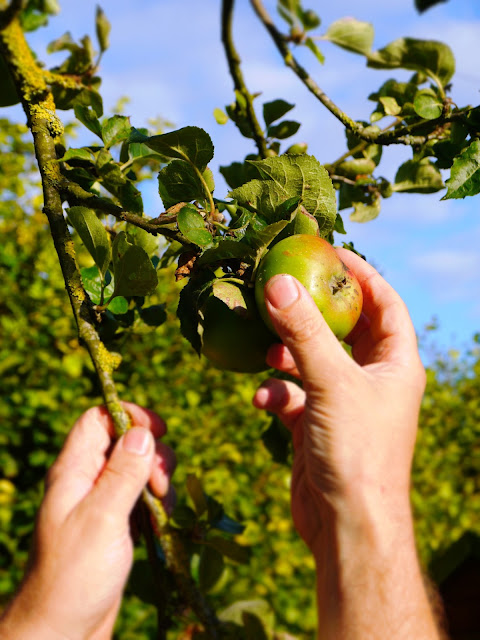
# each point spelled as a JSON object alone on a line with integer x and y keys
{"x": 83, "y": 549}
{"x": 354, "y": 422}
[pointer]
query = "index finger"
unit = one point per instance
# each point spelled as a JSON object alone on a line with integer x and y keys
{"x": 84, "y": 453}
{"x": 389, "y": 335}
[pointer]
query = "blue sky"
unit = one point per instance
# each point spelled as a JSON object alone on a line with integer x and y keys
{"x": 167, "y": 56}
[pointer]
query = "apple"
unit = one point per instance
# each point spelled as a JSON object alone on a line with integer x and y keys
{"x": 315, "y": 263}
{"x": 234, "y": 336}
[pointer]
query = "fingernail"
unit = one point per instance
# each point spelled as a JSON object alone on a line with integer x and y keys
{"x": 137, "y": 440}
{"x": 281, "y": 291}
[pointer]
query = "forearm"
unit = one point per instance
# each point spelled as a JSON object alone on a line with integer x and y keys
{"x": 369, "y": 581}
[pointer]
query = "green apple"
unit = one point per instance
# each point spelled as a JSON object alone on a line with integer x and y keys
{"x": 315, "y": 263}
{"x": 234, "y": 335}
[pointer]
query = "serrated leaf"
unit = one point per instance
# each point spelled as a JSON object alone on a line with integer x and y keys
{"x": 275, "y": 110}
{"x": 179, "y": 182}
{"x": 196, "y": 493}
{"x": 418, "y": 177}
{"x": 433, "y": 58}
{"x": 114, "y": 130}
{"x": 427, "y": 104}
{"x": 102, "y": 27}
{"x": 133, "y": 270}
{"x": 118, "y": 305}
{"x": 210, "y": 568}
{"x": 315, "y": 50}
{"x": 88, "y": 118}
{"x": 189, "y": 143}
{"x": 192, "y": 226}
{"x": 287, "y": 177}
{"x": 230, "y": 549}
{"x": 283, "y": 129}
{"x": 153, "y": 316}
{"x": 93, "y": 235}
{"x": 220, "y": 116}
{"x": 353, "y": 35}
{"x": 465, "y": 174}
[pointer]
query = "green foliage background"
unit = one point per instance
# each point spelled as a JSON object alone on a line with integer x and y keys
{"x": 47, "y": 381}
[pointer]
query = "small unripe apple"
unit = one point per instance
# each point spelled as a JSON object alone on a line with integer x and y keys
{"x": 315, "y": 263}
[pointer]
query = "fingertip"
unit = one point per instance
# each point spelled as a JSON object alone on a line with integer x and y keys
{"x": 142, "y": 417}
{"x": 261, "y": 397}
{"x": 163, "y": 468}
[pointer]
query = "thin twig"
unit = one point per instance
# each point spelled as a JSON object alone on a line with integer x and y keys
{"x": 400, "y": 136}
{"x": 234, "y": 62}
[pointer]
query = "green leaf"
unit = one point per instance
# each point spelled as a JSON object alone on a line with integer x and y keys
{"x": 114, "y": 130}
{"x": 315, "y": 50}
{"x": 227, "y": 250}
{"x": 190, "y": 143}
{"x": 102, "y": 27}
{"x": 143, "y": 239}
{"x": 283, "y": 130}
{"x": 220, "y": 116}
{"x": 92, "y": 282}
{"x": 188, "y": 306}
{"x": 230, "y": 549}
{"x": 210, "y": 568}
{"x": 192, "y": 226}
{"x": 118, "y": 305}
{"x": 260, "y": 239}
{"x": 287, "y": 177}
{"x": 275, "y": 110}
{"x": 465, "y": 174}
{"x": 423, "y": 5}
{"x": 88, "y": 118}
{"x": 364, "y": 212}
{"x": 133, "y": 270}
{"x": 390, "y": 105}
{"x": 339, "y": 228}
{"x": 84, "y": 153}
{"x": 418, "y": 177}
{"x": 352, "y": 35}
{"x": 153, "y": 316}
{"x": 93, "y": 234}
{"x": 427, "y": 104}
{"x": 259, "y": 607}
{"x": 433, "y": 58}
{"x": 308, "y": 18}
{"x": 8, "y": 95}
{"x": 254, "y": 629}
{"x": 277, "y": 440}
{"x": 179, "y": 182}
{"x": 196, "y": 493}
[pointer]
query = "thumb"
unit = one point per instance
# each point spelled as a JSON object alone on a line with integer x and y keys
{"x": 299, "y": 323}
{"x": 125, "y": 474}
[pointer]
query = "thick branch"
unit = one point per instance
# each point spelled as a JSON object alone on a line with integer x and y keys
{"x": 234, "y": 62}
{"x": 46, "y": 128}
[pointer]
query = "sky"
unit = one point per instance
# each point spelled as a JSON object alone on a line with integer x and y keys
{"x": 166, "y": 55}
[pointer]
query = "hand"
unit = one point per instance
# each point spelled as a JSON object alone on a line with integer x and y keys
{"x": 83, "y": 548}
{"x": 354, "y": 422}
